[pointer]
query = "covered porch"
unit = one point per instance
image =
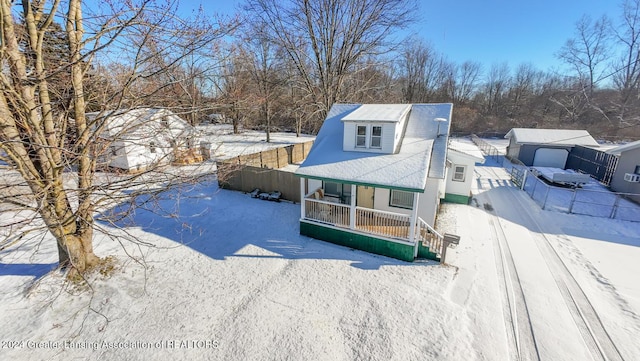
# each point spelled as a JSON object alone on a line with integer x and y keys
{"x": 353, "y": 224}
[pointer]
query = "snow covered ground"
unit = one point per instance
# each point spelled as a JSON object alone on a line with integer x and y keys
{"x": 228, "y": 277}
{"x": 225, "y": 144}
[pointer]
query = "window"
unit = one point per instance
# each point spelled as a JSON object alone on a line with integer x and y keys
{"x": 331, "y": 189}
{"x": 114, "y": 150}
{"x": 361, "y": 136}
{"x": 458, "y": 173}
{"x": 401, "y": 199}
{"x": 369, "y": 136}
{"x": 338, "y": 190}
{"x": 637, "y": 171}
{"x": 376, "y": 137}
{"x": 152, "y": 147}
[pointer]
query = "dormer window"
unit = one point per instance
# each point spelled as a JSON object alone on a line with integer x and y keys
{"x": 369, "y": 136}
{"x": 375, "y": 128}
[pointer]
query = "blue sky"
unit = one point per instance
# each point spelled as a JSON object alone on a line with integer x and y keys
{"x": 489, "y": 31}
{"x": 515, "y": 31}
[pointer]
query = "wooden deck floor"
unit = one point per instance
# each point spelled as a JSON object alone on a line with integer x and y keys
{"x": 388, "y": 231}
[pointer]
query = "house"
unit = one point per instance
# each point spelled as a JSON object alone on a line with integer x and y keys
{"x": 546, "y": 147}
{"x": 462, "y": 158}
{"x": 626, "y": 177}
{"x": 374, "y": 178}
{"x": 138, "y": 138}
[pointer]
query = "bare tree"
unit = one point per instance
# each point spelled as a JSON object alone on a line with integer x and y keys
{"x": 420, "y": 70}
{"x": 461, "y": 81}
{"x": 233, "y": 83}
{"x": 496, "y": 86}
{"x": 266, "y": 70}
{"x": 588, "y": 51}
{"x": 522, "y": 88}
{"x": 326, "y": 38}
{"x": 55, "y": 148}
{"x": 627, "y": 75}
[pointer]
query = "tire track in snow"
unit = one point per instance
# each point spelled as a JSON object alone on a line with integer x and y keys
{"x": 522, "y": 344}
{"x": 584, "y": 314}
{"x": 595, "y": 336}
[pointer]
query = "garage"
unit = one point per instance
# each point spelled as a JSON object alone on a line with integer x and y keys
{"x": 550, "y": 157}
{"x": 546, "y": 147}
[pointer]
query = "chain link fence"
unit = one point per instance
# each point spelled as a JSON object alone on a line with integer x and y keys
{"x": 592, "y": 200}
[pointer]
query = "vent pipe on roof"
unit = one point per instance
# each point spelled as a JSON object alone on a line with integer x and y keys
{"x": 439, "y": 120}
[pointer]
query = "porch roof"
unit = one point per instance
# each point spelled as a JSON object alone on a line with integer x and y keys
{"x": 422, "y": 153}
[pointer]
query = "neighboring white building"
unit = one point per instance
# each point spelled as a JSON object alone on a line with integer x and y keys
{"x": 139, "y": 138}
{"x": 374, "y": 177}
{"x": 462, "y": 158}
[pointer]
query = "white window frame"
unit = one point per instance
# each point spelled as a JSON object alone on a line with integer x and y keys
{"x": 378, "y": 137}
{"x": 362, "y": 137}
{"x": 459, "y": 176}
{"x": 402, "y": 195}
{"x": 367, "y": 139}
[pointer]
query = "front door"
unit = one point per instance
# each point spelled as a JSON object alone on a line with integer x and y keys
{"x": 364, "y": 196}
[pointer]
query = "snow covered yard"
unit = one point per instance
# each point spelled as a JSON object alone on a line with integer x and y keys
{"x": 229, "y": 277}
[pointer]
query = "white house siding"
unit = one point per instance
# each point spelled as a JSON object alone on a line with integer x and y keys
{"x": 388, "y": 135}
{"x": 430, "y": 201}
{"x": 626, "y": 164}
{"x": 387, "y": 141}
{"x": 139, "y": 156}
{"x": 456, "y": 187}
{"x": 119, "y": 159}
{"x": 427, "y": 202}
{"x": 133, "y": 132}
{"x": 314, "y": 184}
{"x": 381, "y": 202}
{"x": 349, "y": 138}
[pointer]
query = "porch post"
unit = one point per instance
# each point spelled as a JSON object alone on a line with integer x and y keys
{"x": 352, "y": 210}
{"x": 303, "y": 193}
{"x": 414, "y": 221}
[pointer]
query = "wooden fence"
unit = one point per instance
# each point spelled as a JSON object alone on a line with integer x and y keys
{"x": 261, "y": 170}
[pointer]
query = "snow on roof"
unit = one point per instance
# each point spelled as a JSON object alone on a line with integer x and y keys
{"x": 552, "y": 136}
{"x": 142, "y": 122}
{"x": 421, "y": 155}
{"x": 379, "y": 113}
{"x": 466, "y": 148}
{"x": 625, "y": 147}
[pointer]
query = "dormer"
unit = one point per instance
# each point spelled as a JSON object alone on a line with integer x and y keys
{"x": 375, "y": 128}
